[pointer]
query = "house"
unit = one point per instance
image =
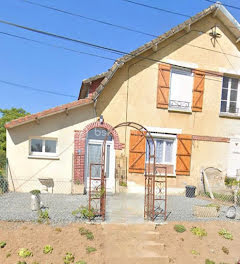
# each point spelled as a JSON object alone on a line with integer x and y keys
{"x": 182, "y": 86}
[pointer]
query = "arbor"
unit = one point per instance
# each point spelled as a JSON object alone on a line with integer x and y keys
{"x": 7, "y": 115}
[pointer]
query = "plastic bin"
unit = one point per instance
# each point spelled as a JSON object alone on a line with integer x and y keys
{"x": 190, "y": 191}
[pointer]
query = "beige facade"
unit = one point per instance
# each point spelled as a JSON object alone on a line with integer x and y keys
{"x": 131, "y": 95}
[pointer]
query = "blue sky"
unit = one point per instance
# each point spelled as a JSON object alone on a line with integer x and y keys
{"x": 62, "y": 71}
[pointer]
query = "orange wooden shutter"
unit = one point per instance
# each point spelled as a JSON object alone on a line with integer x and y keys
{"x": 137, "y": 149}
{"x": 184, "y": 151}
{"x": 163, "y": 85}
{"x": 198, "y": 90}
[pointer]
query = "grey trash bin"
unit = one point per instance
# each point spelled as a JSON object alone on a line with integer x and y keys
{"x": 190, "y": 191}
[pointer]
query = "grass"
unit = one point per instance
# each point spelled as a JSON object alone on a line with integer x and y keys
{"x": 226, "y": 234}
{"x": 198, "y": 231}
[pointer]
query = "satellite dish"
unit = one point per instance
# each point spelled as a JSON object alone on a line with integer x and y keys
{"x": 231, "y": 212}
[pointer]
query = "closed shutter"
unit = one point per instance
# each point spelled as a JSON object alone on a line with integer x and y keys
{"x": 163, "y": 85}
{"x": 184, "y": 151}
{"x": 198, "y": 90}
{"x": 137, "y": 149}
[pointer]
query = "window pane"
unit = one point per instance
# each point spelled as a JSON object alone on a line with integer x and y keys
{"x": 232, "y": 107}
{"x": 233, "y": 96}
{"x": 225, "y": 82}
{"x": 159, "y": 151}
{"x": 168, "y": 151}
{"x": 224, "y": 94}
{"x": 224, "y": 106}
{"x": 147, "y": 149}
{"x": 50, "y": 146}
{"x": 36, "y": 145}
{"x": 234, "y": 84}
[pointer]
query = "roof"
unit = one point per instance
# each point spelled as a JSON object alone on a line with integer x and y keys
{"x": 49, "y": 112}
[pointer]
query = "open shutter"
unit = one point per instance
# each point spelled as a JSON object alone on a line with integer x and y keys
{"x": 163, "y": 85}
{"x": 198, "y": 90}
{"x": 184, "y": 151}
{"x": 137, "y": 149}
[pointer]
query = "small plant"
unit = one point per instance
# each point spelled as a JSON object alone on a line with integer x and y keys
{"x": 3, "y": 244}
{"x": 194, "y": 252}
{"x": 225, "y": 250}
{"x": 99, "y": 193}
{"x": 85, "y": 232}
{"x": 43, "y": 216}
{"x": 24, "y": 253}
{"x": 207, "y": 261}
{"x": 22, "y": 262}
{"x": 214, "y": 205}
{"x": 226, "y": 234}
{"x": 77, "y": 182}
{"x": 123, "y": 184}
{"x": 179, "y": 228}
{"x": 91, "y": 249}
{"x": 47, "y": 249}
{"x": 198, "y": 231}
{"x": 35, "y": 262}
{"x": 35, "y": 192}
{"x": 81, "y": 262}
{"x": 69, "y": 258}
{"x": 84, "y": 212}
{"x": 58, "y": 229}
{"x": 8, "y": 255}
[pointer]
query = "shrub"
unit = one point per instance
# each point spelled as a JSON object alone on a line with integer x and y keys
{"x": 43, "y": 216}
{"x": 225, "y": 250}
{"x": 85, "y": 232}
{"x": 198, "y": 231}
{"x": 226, "y": 234}
{"x": 35, "y": 192}
{"x": 47, "y": 249}
{"x": 179, "y": 228}
{"x": 69, "y": 258}
{"x": 24, "y": 252}
{"x": 3, "y": 244}
{"x": 91, "y": 249}
{"x": 207, "y": 261}
{"x": 83, "y": 212}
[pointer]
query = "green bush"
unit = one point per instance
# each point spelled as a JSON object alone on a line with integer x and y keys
{"x": 3, "y": 244}
{"x": 24, "y": 253}
{"x": 179, "y": 228}
{"x": 84, "y": 213}
{"x": 47, "y": 249}
{"x": 69, "y": 258}
{"x": 198, "y": 231}
{"x": 90, "y": 249}
{"x": 226, "y": 234}
{"x": 85, "y": 232}
{"x": 207, "y": 261}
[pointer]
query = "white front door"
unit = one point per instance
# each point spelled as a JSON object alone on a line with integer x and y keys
{"x": 94, "y": 155}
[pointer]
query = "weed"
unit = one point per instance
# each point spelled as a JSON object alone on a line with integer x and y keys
{"x": 58, "y": 229}
{"x": 224, "y": 233}
{"x": 123, "y": 184}
{"x": 24, "y": 252}
{"x": 69, "y": 258}
{"x": 85, "y": 232}
{"x": 179, "y": 228}
{"x": 35, "y": 262}
{"x": 8, "y": 255}
{"x": 198, "y": 231}
{"x": 194, "y": 252}
{"x": 225, "y": 250}
{"x": 214, "y": 205}
{"x": 3, "y": 244}
{"x": 207, "y": 261}
{"x": 22, "y": 262}
{"x": 43, "y": 216}
{"x": 84, "y": 212}
{"x": 35, "y": 192}
{"x": 91, "y": 249}
{"x": 47, "y": 249}
{"x": 81, "y": 262}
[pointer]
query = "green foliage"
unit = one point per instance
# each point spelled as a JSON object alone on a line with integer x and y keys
{"x": 3, "y": 244}
{"x": 123, "y": 184}
{"x": 225, "y": 250}
{"x": 35, "y": 192}
{"x": 24, "y": 253}
{"x": 81, "y": 262}
{"x": 47, "y": 249}
{"x": 214, "y": 205}
{"x": 22, "y": 262}
{"x": 43, "y": 216}
{"x": 90, "y": 249}
{"x": 231, "y": 182}
{"x": 194, "y": 252}
{"x": 207, "y": 261}
{"x": 99, "y": 193}
{"x": 85, "y": 232}
{"x": 198, "y": 231}
{"x": 226, "y": 234}
{"x": 69, "y": 258}
{"x": 179, "y": 228}
{"x": 58, "y": 229}
{"x": 83, "y": 212}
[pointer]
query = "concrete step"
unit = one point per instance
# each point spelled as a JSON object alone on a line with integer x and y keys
{"x": 152, "y": 245}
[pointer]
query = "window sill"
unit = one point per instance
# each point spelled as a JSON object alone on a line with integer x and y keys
{"x": 180, "y": 111}
{"x": 44, "y": 157}
{"x": 229, "y": 115}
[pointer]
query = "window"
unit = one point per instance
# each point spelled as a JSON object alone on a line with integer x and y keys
{"x": 230, "y": 99}
{"x": 43, "y": 147}
{"x": 181, "y": 86}
{"x": 164, "y": 151}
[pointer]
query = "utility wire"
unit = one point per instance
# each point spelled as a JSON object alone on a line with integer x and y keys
{"x": 56, "y": 46}
{"x": 231, "y": 6}
{"x": 88, "y": 18}
{"x": 36, "y": 89}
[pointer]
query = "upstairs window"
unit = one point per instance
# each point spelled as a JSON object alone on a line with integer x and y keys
{"x": 43, "y": 147}
{"x": 181, "y": 87}
{"x": 230, "y": 99}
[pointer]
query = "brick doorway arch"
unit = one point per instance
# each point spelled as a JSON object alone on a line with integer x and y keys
{"x": 80, "y": 147}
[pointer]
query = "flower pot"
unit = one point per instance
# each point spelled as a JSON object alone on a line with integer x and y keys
{"x": 78, "y": 188}
{"x": 35, "y": 202}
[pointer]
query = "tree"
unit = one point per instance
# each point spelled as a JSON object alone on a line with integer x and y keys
{"x": 7, "y": 115}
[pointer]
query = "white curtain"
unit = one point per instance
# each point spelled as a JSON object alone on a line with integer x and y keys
{"x": 168, "y": 151}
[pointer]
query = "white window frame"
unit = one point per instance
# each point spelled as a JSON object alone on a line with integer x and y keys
{"x": 229, "y": 94}
{"x": 180, "y": 106}
{"x": 165, "y": 137}
{"x": 43, "y": 153}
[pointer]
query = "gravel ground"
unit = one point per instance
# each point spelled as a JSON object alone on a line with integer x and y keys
{"x": 123, "y": 207}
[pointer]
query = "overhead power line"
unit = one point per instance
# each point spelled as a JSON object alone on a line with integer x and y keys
{"x": 56, "y": 46}
{"x": 231, "y": 6}
{"x": 156, "y": 8}
{"x": 36, "y": 89}
{"x": 88, "y": 18}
